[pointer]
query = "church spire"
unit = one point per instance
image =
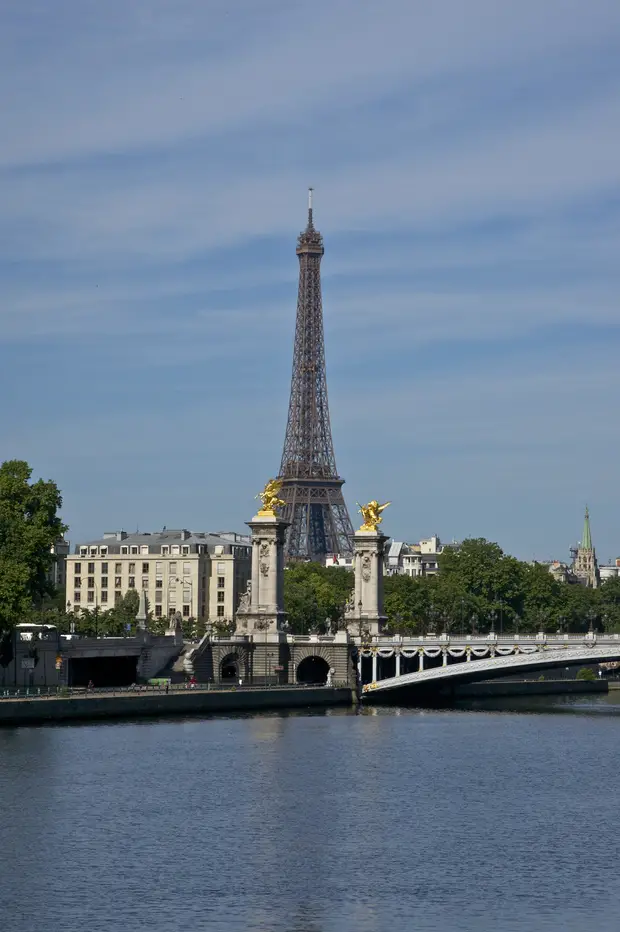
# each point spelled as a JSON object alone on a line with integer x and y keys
{"x": 586, "y": 538}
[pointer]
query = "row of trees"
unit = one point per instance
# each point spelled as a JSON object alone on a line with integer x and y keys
{"x": 478, "y": 588}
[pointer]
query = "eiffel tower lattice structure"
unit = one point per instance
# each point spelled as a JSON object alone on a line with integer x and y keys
{"x": 311, "y": 487}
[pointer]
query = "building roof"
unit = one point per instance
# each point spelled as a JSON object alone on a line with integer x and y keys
{"x": 115, "y": 539}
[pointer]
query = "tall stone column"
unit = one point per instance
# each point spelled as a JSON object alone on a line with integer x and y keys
{"x": 367, "y": 612}
{"x": 266, "y": 609}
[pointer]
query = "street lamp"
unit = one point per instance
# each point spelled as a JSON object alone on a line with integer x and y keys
{"x": 501, "y": 617}
{"x": 462, "y": 615}
{"x": 492, "y": 618}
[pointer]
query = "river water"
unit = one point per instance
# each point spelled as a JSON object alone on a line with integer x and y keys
{"x": 495, "y": 817}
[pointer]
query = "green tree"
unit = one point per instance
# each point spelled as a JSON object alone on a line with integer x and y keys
{"x": 609, "y": 604}
{"x": 315, "y": 595}
{"x": 29, "y": 526}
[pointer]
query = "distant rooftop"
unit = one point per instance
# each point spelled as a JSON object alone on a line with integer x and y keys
{"x": 154, "y": 539}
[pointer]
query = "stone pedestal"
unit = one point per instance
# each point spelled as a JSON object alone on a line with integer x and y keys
{"x": 264, "y": 610}
{"x": 365, "y": 614}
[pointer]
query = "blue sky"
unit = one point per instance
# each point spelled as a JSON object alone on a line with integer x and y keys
{"x": 466, "y": 162}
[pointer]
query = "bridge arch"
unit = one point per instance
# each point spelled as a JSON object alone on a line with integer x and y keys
{"x": 313, "y": 670}
{"x": 230, "y": 666}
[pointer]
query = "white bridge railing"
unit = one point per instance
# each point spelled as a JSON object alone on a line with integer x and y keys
{"x": 478, "y": 657}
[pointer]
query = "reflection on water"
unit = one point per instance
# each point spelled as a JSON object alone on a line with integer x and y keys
{"x": 496, "y": 815}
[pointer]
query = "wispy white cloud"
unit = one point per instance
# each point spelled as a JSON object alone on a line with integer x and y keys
{"x": 466, "y": 159}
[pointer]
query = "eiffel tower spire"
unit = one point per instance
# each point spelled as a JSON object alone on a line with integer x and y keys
{"x": 312, "y": 489}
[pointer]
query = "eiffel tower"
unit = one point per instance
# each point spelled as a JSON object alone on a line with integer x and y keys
{"x": 311, "y": 487}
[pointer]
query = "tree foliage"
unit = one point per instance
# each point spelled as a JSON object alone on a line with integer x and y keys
{"x": 29, "y": 526}
{"x": 315, "y": 596}
{"x": 479, "y": 587}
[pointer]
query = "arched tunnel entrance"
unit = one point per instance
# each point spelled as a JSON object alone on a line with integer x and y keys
{"x": 313, "y": 671}
{"x": 229, "y": 668}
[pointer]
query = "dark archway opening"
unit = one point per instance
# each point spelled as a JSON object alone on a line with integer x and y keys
{"x": 102, "y": 671}
{"x": 313, "y": 671}
{"x": 230, "y": 667}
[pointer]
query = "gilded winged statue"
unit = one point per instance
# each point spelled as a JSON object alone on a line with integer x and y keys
{"x": 371, "y": 513}
{"x": 269, "y": 498}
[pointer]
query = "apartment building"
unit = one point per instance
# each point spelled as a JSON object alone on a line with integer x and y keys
{"x": 57, "y": 574}
{"x": 421, "y": 559}
{"x": 199, "y": 575}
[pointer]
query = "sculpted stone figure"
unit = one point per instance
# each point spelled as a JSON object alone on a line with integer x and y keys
{"x": 371, "y": 513}
{"x": 244, "y": 601}
{"x": 269, "y": 498}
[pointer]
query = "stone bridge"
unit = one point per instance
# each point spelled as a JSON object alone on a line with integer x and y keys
{"x": 437, "y": 662}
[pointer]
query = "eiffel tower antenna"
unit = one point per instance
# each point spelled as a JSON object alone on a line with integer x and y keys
{"x": 311, "y": 487}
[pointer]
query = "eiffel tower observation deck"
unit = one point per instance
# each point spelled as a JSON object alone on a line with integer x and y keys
{"x": 311, "y": 487}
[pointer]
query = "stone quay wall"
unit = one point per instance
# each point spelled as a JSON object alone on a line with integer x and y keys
{"x": 181, "y": 702}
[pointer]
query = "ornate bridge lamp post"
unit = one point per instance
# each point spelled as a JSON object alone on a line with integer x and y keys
{"x": 474, "y": 624}
{"x": 462, "y": 615}
{"x": 501, "y": 617}
{"x": 492, "y": 617}
{"x": 591, "y": 618}
{"x": 517, "y": 621}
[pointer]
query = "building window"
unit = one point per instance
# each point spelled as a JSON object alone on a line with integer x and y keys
{"x": 159, "y": 583}
{"x": 93, "y": 551}
{"x": 91, "y": 568}
{"x": 220, "y": 611}
{"x": 176, "y": 549}
{"x": 134, "y": 549}
{"x": 159, "y": 596}
{"x": 186, "y": 611}
{"x": 83, "y": 551}
{"x": 144, "y": 548}
{"x": 159, "y": 567}
{"x": 221, "y": 582}
{"x": 124, "y": 549}
{"x": 77, "y": 582}
{"x": 145, "y": 567}
{"x": 91, "y": 597}
{"x": 158, "y": 611}
{"x": 187, "y": 595}
{"x": 91, "y": 582}
{"x": 104, "y": 569}
{"x": 173, "y": 569}
{"x": 221, "y": 596}
{"x": 104, "y": 596}
{"x": 145, "y": 582}
{"x": 117, "y": 597}
{"x": 185, "y": 550}
{"x": 132, "y": 582}
{"x": 165, "y": 550}
{"x": 77, "y": 569}
{"x": 132, "y": 568}
{"x": 187, "y": 569}
{"x": 118, "y": 567}
{"x": 221, "y": 568}
{"x": 117, "y": 582}
{"x": 103, "y": 551}
{"x": 104, "y": 582}
{"x": 77, "y": 596}
{"x": 172, "y": 582}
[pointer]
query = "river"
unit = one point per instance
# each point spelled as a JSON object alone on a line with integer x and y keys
{"x": 500, "y": 816}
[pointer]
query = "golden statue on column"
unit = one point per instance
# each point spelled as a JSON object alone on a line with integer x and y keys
{"x": 270, "y": 500}
{"x": 371, "y": 513}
